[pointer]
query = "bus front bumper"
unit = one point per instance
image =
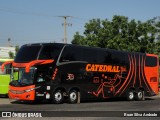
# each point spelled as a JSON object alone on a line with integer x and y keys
{"x": 26, "y": 93}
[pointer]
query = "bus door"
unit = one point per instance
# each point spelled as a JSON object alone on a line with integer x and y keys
{"x": 43, "y": 84}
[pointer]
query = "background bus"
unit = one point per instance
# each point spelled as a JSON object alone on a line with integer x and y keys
{"x": 4, "y": 77}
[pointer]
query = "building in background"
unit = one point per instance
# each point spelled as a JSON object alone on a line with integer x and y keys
{"x": 4, "y": 51}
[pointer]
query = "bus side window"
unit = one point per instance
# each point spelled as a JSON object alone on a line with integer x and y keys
{"x": 71, "y": 53}
{"x": 45, "y": 53}
{"x": 151, "y": 61}
{"x": 65, "y": 57}
{"x": 90, "y": 55}
{"x": 40, "y": 77}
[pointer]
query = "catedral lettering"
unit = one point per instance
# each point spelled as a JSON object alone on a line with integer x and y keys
{"x": 69, "y": 73}
{"x": 102, "y": 68}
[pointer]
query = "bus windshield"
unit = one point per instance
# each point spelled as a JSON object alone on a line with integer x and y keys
{"x": 24, "y": 78}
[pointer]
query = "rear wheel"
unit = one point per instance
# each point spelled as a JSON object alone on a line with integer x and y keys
{"x": 58, "y": 97}
{"x": 73, "y": 96}
{"x": 130, "y": 95}
{"x": 140, "y": 95}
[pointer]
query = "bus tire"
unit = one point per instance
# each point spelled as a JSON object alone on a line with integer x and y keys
{"x": 140, "y": 95}
{"x": 73, "y": 97}
{"x": 130, "y": 95}
{"x": 58, "y": 97}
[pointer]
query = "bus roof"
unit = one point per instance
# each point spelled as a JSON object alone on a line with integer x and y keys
{"x": 90, "y": 47}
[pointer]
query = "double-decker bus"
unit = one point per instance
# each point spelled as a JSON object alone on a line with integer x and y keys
{"x": 4, "y": 77}
{"x": 64, "y": 72}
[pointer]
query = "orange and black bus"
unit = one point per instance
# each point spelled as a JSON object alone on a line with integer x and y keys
{"x": 64, "y": 72}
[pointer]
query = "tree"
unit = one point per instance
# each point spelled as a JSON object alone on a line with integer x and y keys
{"x": 120, "y": 34}
{"x": 78, "y": 39}
{"x": 155, "y": 22}
{"x": 16, "y": 49}
{"x": 11, "y": 55}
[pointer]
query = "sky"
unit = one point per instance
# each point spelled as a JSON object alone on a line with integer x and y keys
{"x": 39, "y": 21}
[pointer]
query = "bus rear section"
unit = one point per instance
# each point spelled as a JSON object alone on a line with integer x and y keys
{"x": 142, "y": 78}
{"x": 151, "y": 74}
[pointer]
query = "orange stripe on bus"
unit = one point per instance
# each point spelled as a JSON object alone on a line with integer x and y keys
{"x": 130, "y": 69}
{"x": 132, "y": 64}
{"x": 135, "y": 72}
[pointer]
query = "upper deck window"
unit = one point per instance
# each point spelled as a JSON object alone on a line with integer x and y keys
{"x": 50, "y": 52}
{"x": 79, "y": 53}
{"x": 27, "y": 53}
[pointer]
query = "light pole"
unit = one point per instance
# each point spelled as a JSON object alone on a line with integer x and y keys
{"x": 65, "y": 24}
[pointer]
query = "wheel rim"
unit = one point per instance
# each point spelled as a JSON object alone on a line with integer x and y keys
{"x": 73, "y": 96}
{"x": 58, "y": 96}
{"x": 140, "y": 95}
{"x": 131, "y": 95}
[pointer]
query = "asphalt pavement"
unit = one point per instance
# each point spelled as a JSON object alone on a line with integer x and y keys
{"x": 113, "y": 109}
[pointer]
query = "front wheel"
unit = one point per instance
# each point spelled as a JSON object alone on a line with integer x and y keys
{"x": 73, "y": 96}
{"x": 58, "y": 97}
